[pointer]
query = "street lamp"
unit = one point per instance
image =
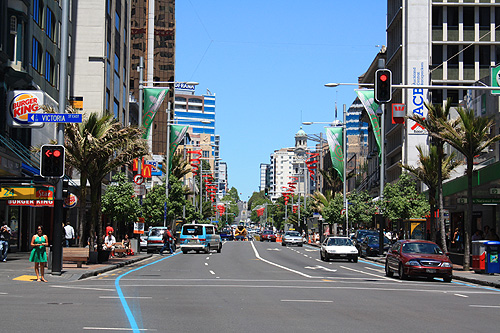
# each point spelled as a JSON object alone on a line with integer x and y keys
{"x": 337, "y": 123}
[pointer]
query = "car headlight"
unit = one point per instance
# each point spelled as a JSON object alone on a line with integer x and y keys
{"x": 412, "y": 263}
{"x": 446, "y": 264}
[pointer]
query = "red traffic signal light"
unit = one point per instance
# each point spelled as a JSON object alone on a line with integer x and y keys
{"x": 52, "y": 161}
{"x": 383, "y": 85}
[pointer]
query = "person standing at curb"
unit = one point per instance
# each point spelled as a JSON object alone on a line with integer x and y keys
{"x": 5, "y": 234}
{"x": 39, "y": 253}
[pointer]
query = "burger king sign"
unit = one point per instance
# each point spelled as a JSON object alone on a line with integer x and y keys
{"x": 22, "y": 103}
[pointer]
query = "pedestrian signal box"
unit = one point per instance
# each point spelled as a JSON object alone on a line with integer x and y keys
{"x": 52, "y": 161}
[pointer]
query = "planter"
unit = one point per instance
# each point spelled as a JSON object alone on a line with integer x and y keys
{"x": 92, "y": 257}
{"x": 102, "y": 256}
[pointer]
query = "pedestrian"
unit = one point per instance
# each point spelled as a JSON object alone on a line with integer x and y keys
{"x": 109, "y": 243}
{"x": 456, "y": 240}
{"x": 167, "y": 239}
{"x": 109, "y": 228}
{"x": 5, "y": 234}
{"x": 126, "y": 245}
{"x": 39, "y": 242}
{"x": 69, "y": 235}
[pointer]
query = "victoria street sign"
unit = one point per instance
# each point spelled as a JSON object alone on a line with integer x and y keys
{"x": 55, "y": 118}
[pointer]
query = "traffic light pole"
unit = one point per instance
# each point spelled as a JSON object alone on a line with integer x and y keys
{"x": 63, "y": 88}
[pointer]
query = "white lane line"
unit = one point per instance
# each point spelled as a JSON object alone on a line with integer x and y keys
{"x": 310, "y": 250}
{"x": 460, "y": 295}
{"x": 282, "y": 267}
{"x": 212, "y": 272}
{"x": 208, "y": 258}
{"x": 206, "y": 264}
{"x": 376, "y": 270}
{"x": 306, "y": 300}
{"x": 485, "y": 306}
{"x": 139, "y": 297}
{"x": 83, "y": 288}
{"x": 116, "y": 329}
{"x": 380, "y": 277}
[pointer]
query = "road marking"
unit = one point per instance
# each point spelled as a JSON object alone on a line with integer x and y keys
{"x": 306, "y": 300}
{"x": 460, "y": 295}
{"x": 376, "y": 270}
{"x": 212, "y": 272}
{"x": 117, "y": 329}
{"x": 83, "y": 288}
{"x": 321, "y": 267}
{"x": 274, "y": 249}
{"x": 485, "y": 306}
{"x": 310, "y": 250}
{"x": 382, "y": 277}
{"x": 282, "y": 267}
{"x": 208, "y": 258}
{"x": 25, "y": 278}
{"x": 140, "y": 297}
{"x": 206, "y": 264}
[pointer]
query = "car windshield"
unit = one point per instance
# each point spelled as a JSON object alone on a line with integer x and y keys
{"x": 156, "y": 232}
{"x": 192, "y": 230}
{"x": 423, "y": 248}
{"x": 293, "y": 234}
{"x": 339, "y": 242}
{"x": 364, "y": 233}
{"x": 268, "y": 232}
{"x": 374, "y": 239}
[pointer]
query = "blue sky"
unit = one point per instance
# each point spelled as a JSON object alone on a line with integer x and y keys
{"x": 267, "y": 62}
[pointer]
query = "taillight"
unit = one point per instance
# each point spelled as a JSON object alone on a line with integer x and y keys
{"x": 202, "y": 239}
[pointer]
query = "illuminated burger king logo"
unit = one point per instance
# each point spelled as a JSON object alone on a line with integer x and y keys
{"x": 22, "y": 106}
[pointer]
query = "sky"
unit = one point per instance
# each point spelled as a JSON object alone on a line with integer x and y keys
{"x": 267, "y": 62}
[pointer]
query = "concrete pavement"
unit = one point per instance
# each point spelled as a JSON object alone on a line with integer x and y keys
{"x": 19, "y": 267}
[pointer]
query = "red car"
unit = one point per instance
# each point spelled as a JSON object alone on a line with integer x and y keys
{"x": 413, "y": 257}
{"x": 268, "y": 235}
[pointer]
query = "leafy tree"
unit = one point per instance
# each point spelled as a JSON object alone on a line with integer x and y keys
{"x": 402, "y": 201}
{"x": 470, "y": 135}
{"x": 119, "y": 202}
{"x": 361, "y": 207}
{"x": 233, "y": 193}
{"x": 332, "y": 212}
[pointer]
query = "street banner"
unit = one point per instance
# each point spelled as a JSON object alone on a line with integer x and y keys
{"x": 367, "y": 98}
{"x": 495, "y": 79}
{"x": 334, "y": 138}
{"x": 153, "y": 97}
{"x": 177, "y": 133}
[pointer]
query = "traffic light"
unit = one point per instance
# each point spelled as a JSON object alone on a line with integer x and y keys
{"x": 52, "y": 161}
{"x": 266, "y": 191}
{"x": 383, "y": 85}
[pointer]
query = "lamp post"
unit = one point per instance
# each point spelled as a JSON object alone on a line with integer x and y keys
{"x": 336, "y": 123}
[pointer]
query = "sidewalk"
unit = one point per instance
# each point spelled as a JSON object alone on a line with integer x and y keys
{"x": 19, "y": 267}
{"x": 490, "y": 280}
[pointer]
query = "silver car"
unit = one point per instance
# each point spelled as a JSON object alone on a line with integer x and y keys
{"x": 292, "y": 238}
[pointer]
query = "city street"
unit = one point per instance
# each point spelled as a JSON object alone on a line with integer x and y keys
{"x": 249, "y": 287}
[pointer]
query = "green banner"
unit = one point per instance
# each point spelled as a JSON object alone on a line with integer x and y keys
{"x": 495, "y": 79}
{"x": 177, "y": 133}
{"x": 153, "y": 97}
{"x": 367, "y": 98}
{"x": 335, "y": 142}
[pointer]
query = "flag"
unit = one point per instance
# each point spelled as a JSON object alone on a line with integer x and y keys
{"x": 334, "y": 138}
{"x": 177, "y": 133}
{"x": 153, "y": 97}
{"x": 367, "y": 98}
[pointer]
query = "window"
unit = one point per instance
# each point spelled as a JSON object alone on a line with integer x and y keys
{"x": 484, "y": 17}
{"x": 116, "y": 108}
{"x": 468, "y": 18}
{"x": 38, "y": 12}
{"x": 50, "y": 72}
{"x": 437, "y": 17}
{"x": 484, "y": 56}
{"x": 453, "y": 56}
{"x": 37, "y": 56}
{"x": 437, "y": 55}
{"x": 50, "y": 25}
{"x": 453, "y": 17}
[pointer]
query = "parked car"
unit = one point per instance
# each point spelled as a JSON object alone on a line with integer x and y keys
{"x": 370, "y": 246}
{"x": 338, "y": 247}
{"x": 268, "y": 235}
{"x": 412, "y": 257}
{"x": 155, "y": 239}
{"x": 292, "y": 238}
{"x": 227, "y": 234}
{"x": 199, "y": 237}
{"x": 143, "y": 241}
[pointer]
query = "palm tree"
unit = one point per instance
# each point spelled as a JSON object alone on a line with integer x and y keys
{"x": 427, "y": 173}
{"x": 470, "y": 135}
{"x": 432, "y": 123}
{"x": 96, "y": 147}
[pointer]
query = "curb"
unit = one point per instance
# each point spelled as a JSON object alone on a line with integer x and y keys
{"x": 111, "y": 267}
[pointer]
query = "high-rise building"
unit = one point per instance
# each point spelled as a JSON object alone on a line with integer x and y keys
{"x": 152, "y": 35}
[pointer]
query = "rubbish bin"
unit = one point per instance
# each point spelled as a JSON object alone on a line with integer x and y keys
{"x": 479, "y": 256}
{"x": 134, "y": 244}
{"x": 492, "y": 262}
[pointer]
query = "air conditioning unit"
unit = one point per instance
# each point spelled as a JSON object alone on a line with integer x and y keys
{"x": 13, "y": 25}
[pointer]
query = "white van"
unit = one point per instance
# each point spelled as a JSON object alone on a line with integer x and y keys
{"x": 199, "y": 237}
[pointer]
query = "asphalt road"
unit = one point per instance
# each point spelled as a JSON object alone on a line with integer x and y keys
{"x": 249, "y": 287}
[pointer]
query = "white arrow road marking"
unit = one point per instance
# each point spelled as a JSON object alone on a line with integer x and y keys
{"x": 383, "y": 277}
{"x": 257, "y": 255}
{"x": 321, "y": 267}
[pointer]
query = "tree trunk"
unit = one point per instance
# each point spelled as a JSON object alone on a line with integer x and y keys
{"x": 95, "y": 210}
{"x": 82, "y": 217}
{"x": 468, "y": 220}
{"x": 440, "y": 197}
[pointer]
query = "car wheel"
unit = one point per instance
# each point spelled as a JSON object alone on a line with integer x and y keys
{"x": 447, "y": 279}
{"x": 261, "y": 240}
{"x": 300, "y": 245}
{"x": 283, "y": 244}
{"x": 184, "y": 251}
{"x": 219, "y": 248}
{"x": 355, "y": 259}
{"x": 401, "y": 272}
{"x": 322, "y": 257}
{"x": 207, "y": 249}
{"x": 388, "y": 271}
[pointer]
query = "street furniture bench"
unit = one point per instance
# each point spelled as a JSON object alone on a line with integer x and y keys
{"x": 120, "y": 251}
{"x": 76, "y": 254}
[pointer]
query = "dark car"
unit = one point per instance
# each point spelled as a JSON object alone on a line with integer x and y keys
{"x": 268, "y": 235}
{"x": 370, "y": 246}
{"x": 227, "y": 234}
{"x": 412, "y": 257}
{"x": 359, "y": 235}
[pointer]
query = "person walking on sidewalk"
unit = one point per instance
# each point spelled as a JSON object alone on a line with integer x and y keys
{"x": 5, "y": 234}
{"x": 39, "y": 253}
{"x": 69, "y": 235}
{"x": 167, "y": 239}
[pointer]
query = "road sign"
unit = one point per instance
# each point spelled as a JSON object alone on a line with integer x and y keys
{"x": 55, "y": 118}
{"x": 495, "y": 79}
{"x": 138, "y": 179}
